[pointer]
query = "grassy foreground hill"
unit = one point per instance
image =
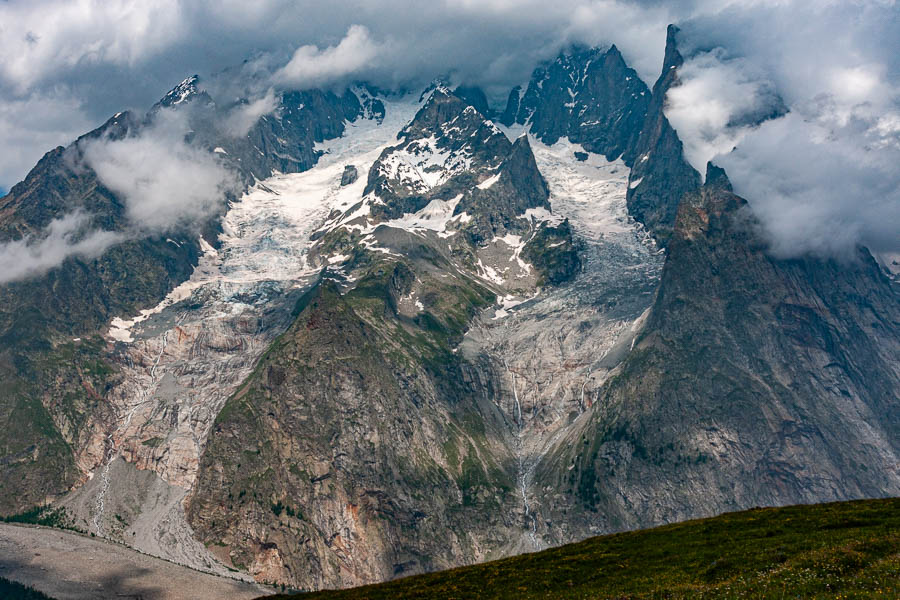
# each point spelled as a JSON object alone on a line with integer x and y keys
{"x": 838, "y": 550}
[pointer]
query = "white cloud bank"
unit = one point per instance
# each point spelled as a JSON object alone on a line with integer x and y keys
{"x": 835, "y": 64}
{"x": 64, "y": 237}
{"x": 825, "y": 177}
{"x": 310, "y": 66}
{"x": 164, "y": 181}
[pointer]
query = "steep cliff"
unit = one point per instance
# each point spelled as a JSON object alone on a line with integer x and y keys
{"x": 589, "y": 96}
{"x": 660, "y": 175}
{"x": 755, "y": 381}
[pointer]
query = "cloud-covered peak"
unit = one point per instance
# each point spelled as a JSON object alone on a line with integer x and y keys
{"x": 832, "y": 67}
{"x": 801, "y": 105}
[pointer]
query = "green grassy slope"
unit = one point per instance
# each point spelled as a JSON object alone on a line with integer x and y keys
{"x": 839, "y": 550}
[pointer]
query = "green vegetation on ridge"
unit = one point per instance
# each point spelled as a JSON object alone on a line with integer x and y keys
{"x": 838, "y": 550}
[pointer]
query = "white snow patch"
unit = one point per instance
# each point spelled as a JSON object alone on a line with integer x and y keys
{"x": 507, "y": 303}
{"x": 635, "y": 183}
{"x": 489, "y": 182}
{"x": 540, "y": 215}
{"x": 889, "y": 261}
{"x": 590, "y": 193}
{"x": 489, "y": 273}
{"x": 435, "y": 216}
{"x": 120, "y": 329}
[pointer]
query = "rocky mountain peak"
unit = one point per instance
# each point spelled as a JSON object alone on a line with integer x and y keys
{"x": 185, "y": 91}
{"x": 475, "y": 97}
{"x": 660, "y": 175}
{"x": 588, "y": 95}
{"x": 446, "y": 138}
{"x": 716, "y": 177}
{"x": 672, "y": 59}
{"x": 520, "y": 166}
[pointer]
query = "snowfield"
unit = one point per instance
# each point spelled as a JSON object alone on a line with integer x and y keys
{"x": 184, "y": 357}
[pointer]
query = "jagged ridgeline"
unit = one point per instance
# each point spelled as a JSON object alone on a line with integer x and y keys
{"x": 420, "y": 331}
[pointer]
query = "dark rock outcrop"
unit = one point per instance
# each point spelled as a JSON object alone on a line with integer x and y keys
{"x": 588, "y": 95}
{"x": 349, "y": 176}
{"x": 756, "y": 381}
{"x": 660, "y": 175}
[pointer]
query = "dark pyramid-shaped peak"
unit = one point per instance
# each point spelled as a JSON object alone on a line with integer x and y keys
{"x": 717, "y": 178}
{"x": 589, "y": 95}
{"x": 475, "y": 97}
{"x": 672, "y": 58}
{"x": 614, "y": 57}
{"x": 183, "y": 92}
{"x": 521, "y": 168}
{"x": 512, "y": 106}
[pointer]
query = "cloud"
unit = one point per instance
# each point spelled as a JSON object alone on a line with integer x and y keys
{"x": 824, "y": 177}
{"x": 834, "y": 64}
{"x": 245, "y": 115}
{"x": 63, "y": 237}
{"x": 164, "y": 181}
{"x": 43, "y": 39}
{"x": 818, "y": 187}
{"x": 96, "y": 58}
{"x": 719, "y": 101}
{"x": 310, "y": 67}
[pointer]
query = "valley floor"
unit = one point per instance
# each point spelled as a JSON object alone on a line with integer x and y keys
{"x": 70, "y": 566}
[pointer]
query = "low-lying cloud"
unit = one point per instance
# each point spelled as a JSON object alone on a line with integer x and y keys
{"x": 311, "y": 67}
{"x": 245, "y": 115}
{"x": 64, "y": 237}
{"x": 718, "y": 102}
{"x": 825, "y": 177}
{"x": 164, "y": 181}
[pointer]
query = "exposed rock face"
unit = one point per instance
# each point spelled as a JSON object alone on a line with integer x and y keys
{"x": 372, "y": 455}
{"x": 349, "y": 176}
{"x": 660, "y": 175}
{"x": 53, "y": 383}
{"x": 417, "y": 340}
{"x": 52, "y": 407}
{"x": 755, "y": 382}
{"x": 378, "y": 451}
{"x": 590, "y": 96}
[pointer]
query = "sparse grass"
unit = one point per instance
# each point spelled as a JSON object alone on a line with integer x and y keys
{"x": 838, "y": 550}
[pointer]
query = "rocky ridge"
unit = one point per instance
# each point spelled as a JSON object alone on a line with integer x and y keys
{"x": 419, "y": 338}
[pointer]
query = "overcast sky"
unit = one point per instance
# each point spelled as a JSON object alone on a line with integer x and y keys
{"x": 822, "y": 178}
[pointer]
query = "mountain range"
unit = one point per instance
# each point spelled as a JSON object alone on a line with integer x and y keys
{"x": 417, "y": 332}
